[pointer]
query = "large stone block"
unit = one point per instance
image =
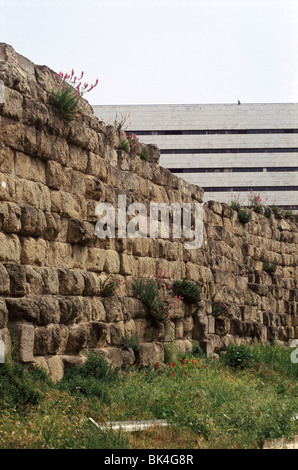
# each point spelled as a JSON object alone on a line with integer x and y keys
{"x": 70, "y": 309}
{"x": 112, "y": 355}
{"x": 113, "y": 308}
{"x": 70, "y": 282}
{"x": 12, "y": 220}
{"x": 77, "y": 339}
{"x": 4, "y": 281}
{"x": 222, "y": 325}
{"x": 50, "y": 280}
{"x": 54, "y": 175}
{"x": 98, "y": 334}
{"x": 56, "y": 368}
{"x": 150, "y": 354}
{"x": 52, "y": 227}
{"x": 3, "y": 314}
{"x": 49, "y": 310}
{"x": 17, "y": 275}
{"x": 98, "y": 310}
{"x": 78, "y": 158}
{"x": 47, "y": 340}
{"x": 80, "y": 232}
{"x": 34, "y": 251}
{"x": 95, "y": 188}
{"x": 33, "y": 221}
{"x": 25, "y": 308}
{"x": 6, "y": 159}
{"x": 25, "y": 338}
{"x": 112, "y": 262}
{"x": 10, "y": 248}
{"x": 116, "y": 331}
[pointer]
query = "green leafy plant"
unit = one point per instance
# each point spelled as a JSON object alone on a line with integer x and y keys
{"x": 274, "y": 208}
{"x": 120, "y": 122}
{"x": 238, "y": 357}
{"x": 20, "y": 387}
{"x": 268, "y": 267}
{"x": 267, "y": 212}
{"x": 67, "y": 93}
{"x": 124, "y": 145}
{"x": 188, "y": 291}
{"x": 235, "y": 203}
{"x": 244, "y": 215}
{"x": 132, "y": 140}
{"x": 109, "y": 286}
{"x": 89, "y": 379}
{"x": 255, "y": 202}
{"x": 132, "y": 342}
{"x": 218, "y": 308}
{"x": 289, "y": 215}
{"x": 149, "y": 291}
{"x": 144, "y": 153}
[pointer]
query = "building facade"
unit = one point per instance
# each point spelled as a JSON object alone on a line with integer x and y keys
{"x": 228, "y": 149}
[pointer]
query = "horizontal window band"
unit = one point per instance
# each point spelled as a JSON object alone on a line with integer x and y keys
{"x": 229, "y": 150}
{"x": 215, "y": 131}
{"x": 294, "y": 208}
{"x": 272, "y": 189}
{"x": 233, "y": 170}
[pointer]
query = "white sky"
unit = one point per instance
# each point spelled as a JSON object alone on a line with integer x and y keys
{"x": 163, "y": 51}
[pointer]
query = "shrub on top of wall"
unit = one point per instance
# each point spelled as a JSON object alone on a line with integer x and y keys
{"x": 244, "y": 215}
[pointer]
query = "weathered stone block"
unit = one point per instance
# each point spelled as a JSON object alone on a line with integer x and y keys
{"x": 113, "y": 308}
{"x": 4, "y": 281}
{"x": 64, "y": 332}
{"x": 49, "y": 310}
{"x": 54, "y": 175}
{"x": 96, "y": 259}
{"x": 17, "y": 276}
{"x": 112, "y": 262}
{"x": 128, "y": 357}
{"x": 56, "y": 368}
{"x": 78, "y": 158}
{"x": 98, "y": 334}
{"x": 34, "y": 251}
{"x": 41, "y": 362}
{"x": 23, "y": 165}
{"x": 50, "y": 280}
{"x": 33, "y": 221}
{"x": 95, "y": 188}
{"x": 25, "y": 308}
{"x": 73, "y": 360}
{"x": 47, "y": 340}
{"x": 25, "y": 338}
{"x": 70, "y": 309}
{"x": 77, "y": 339}
{"x": 222, "y": 325}
{"x": 150, "y": 354}
{"x": 112, "y": 355}
{"x": 98, "y": 310}
{"x": 116, "y": 333}
{"x": 80, "y": 232}
{"x": 12, "y": 220}
{"x": 70, "y": 282}
{"x": 52, "y": 226}
{"x": 6, "y": 159}
{"x": 3, "y": 314}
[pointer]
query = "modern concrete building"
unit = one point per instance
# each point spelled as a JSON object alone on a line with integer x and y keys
{"x": 228, "y": 149}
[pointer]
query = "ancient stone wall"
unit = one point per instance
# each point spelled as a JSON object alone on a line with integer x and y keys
{"x": 52, "y": 177}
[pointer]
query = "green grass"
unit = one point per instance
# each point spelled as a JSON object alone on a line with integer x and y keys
{"x": 209, "y": 403}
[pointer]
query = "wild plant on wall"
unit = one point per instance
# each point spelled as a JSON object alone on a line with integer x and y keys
{"x": 67, "y": 93}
